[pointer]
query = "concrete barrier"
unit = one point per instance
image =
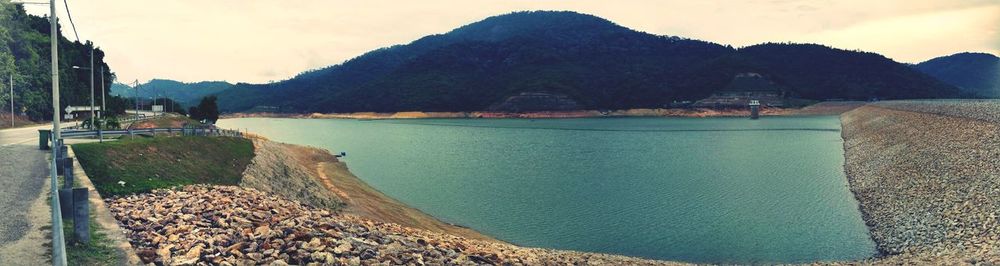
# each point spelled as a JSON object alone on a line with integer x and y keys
{"x": 67, "y": 172}
{"x": 66, "y": 203}
{"x": 81, "y": 215}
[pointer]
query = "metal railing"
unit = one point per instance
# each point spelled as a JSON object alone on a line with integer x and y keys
{"x": 215, "y": 132}
{"x": 58, "y": 239}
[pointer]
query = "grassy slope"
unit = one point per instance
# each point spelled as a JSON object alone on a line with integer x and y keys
{"x": 149, "y": 163}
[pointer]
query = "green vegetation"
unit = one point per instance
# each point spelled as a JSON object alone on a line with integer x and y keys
{"x": 145, "y": 164}
{"x": 187, "y": 94}
{"x": 100, "y": 250}
{"x": 975, "y": 73}
{"x": 207, "y": 110}
{"x": 594, "y": 62}
{"x": 25, "y": 54}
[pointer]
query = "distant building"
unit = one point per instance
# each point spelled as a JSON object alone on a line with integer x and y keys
{"x": 741, "y": 90}
{"x": 264, "y": 109}
{"x": 534, "y": 102}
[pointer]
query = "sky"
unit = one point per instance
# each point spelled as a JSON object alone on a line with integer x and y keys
{"x": 263, "y": 41}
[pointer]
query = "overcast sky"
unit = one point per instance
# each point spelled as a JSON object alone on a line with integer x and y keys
{"x": 260, "y": 41}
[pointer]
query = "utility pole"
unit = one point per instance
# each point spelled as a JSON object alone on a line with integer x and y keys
{"x": 58, "y": 241}
{"x": 135, "y": 96}
{"x": 104, "y": 107}
{"x": 92, "y": 124}
{"x": 11, "y": 100}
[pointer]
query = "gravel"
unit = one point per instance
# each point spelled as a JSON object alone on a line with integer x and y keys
{"x": 985, "y": 109}
{"x": 927, "y": 177}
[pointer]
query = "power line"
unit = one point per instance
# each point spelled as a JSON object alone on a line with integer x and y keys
{"x": 68, "y": 14}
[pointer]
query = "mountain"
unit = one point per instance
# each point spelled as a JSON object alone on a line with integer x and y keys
{"x": 575, "y": 60}
{"x": 184, "y": 93}
{"x": 976, "y": 73}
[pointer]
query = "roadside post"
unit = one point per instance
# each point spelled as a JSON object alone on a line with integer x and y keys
{"x": 67, "y": 172}
{"x": 66, "y": 202}
{"x": 81, "y": 215}
{"x": 60, "y": 155}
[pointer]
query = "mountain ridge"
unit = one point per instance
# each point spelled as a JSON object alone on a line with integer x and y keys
{"x": 975, "y": 73}
{"x": 592, "y": 60}
{"x": 182, "y": 92}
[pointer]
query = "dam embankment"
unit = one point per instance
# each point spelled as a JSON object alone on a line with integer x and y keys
{"x": 927, "y": 178}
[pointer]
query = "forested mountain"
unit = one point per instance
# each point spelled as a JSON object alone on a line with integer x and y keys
{"x": 25, "y": 54}
{"x": 184, "y": 93}
{"x": 592, "y": 61}
{"x": 976, "y": 73}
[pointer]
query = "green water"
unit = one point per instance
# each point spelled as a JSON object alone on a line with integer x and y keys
{"x": 717, "y": 190}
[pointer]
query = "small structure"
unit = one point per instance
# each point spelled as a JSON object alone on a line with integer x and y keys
{"x": 743, "y": 88}
{"x": 534, "y": 102}
{"x": 754, "y": 109}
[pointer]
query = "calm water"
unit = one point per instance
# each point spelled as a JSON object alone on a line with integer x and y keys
{"x": 721, "y": 190}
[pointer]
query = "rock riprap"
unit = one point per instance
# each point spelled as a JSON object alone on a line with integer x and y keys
{"x": 229, "y": 225}
{"x": 927, "y": 177}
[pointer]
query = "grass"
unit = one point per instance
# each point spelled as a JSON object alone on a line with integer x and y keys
{"x": 145, "y": 164}
{"x": 100, "y": 250}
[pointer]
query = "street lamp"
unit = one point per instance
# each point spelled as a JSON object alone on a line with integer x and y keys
{"x": 91, "y": 68}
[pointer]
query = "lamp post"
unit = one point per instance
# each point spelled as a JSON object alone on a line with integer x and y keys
{"x": 104, "y": 106}
{"x": 11, "y": 100}
{"x": 58, "y": 244}
{"x": 91, "y": 68}
{"x": 135, "y": 95}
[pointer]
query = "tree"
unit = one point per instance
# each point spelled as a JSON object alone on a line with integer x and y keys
{"x": 207, "y": 110}
{"x": 194, "y": 113}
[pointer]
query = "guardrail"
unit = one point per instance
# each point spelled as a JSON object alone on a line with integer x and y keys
{"x": 45, "y": 137}
{"x": 58, "y": 239}
{"x": 153, "y": 131}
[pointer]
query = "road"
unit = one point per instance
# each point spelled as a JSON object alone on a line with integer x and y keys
{"x": 23, "y": 186}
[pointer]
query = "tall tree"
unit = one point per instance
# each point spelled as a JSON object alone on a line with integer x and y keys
{"x": 207, "y": 110}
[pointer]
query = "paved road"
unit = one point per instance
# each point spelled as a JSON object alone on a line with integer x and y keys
{"x": 23, "y": 177}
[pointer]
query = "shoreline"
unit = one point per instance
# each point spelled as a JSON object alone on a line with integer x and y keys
{"x": 321, "y": 180}
{"x": 822, "y": 108}
{"x": 881, "y": 185}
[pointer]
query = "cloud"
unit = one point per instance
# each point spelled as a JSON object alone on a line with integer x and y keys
{"x": 248, "y": 41}
{"x": 918, "y": 37}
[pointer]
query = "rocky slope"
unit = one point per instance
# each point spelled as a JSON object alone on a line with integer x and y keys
{"x": 927, "y": 177}
{"x": 228, "y": 225}
{"x": 277, "y": 169}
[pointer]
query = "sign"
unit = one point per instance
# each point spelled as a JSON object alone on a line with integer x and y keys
{"x": 70, "y": 109}
{"x": 68, "y": 116}
{"x": 158, "y": 108}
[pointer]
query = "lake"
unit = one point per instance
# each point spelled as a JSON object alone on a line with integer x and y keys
{"x": 709, "y": 190}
